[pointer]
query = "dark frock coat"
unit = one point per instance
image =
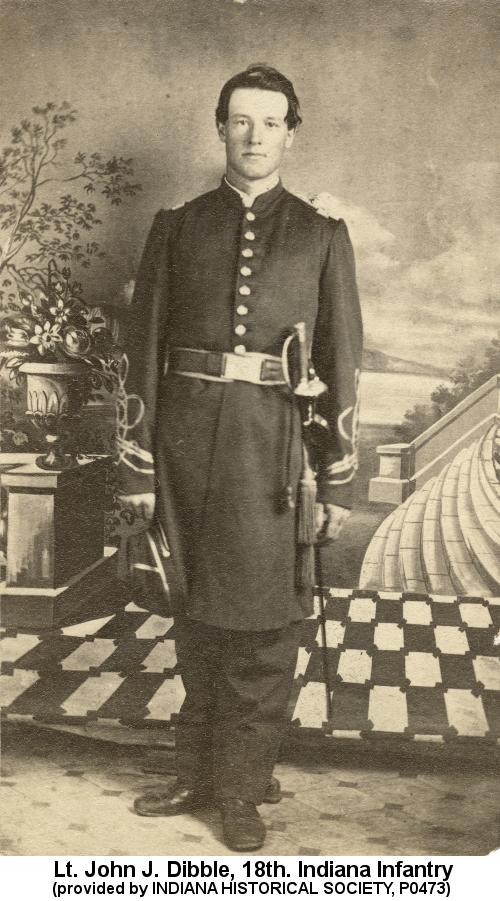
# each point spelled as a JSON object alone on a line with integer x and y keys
{"x": 215, "y": 452}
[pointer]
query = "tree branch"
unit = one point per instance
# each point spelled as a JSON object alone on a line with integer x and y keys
{"x": 7, "y": 254}
{"x": 19, "y": 277}
{"x": 53, "y": 229}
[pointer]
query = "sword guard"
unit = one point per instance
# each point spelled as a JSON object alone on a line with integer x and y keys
{"x": 310, "y": 387}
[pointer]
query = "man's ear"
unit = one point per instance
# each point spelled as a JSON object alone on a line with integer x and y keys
{"x": 221, "y": 129}
{"x": 289, "y": 138}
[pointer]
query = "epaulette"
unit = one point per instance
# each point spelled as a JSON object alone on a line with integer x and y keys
{"x": 324, "y": 204}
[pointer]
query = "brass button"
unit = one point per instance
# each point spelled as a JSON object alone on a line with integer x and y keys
{"x": 240, "y": 330}
{"x": 247, "y": 253}
{"x": 242, "y": 310}
{"x": 240, "y": 349}
{"x": 250, "y": 216}
{"x": 249, "y": 236}
{"x": 244, "y": 290}
{"x": 245, "y": 270}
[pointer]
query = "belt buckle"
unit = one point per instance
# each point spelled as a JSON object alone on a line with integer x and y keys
{"x": 244, "y": 369}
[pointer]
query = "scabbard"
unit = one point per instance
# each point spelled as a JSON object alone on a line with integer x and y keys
{"x": 321, "y": 596}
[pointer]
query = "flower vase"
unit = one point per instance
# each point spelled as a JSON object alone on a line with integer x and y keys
{"x": 56, "y": 393}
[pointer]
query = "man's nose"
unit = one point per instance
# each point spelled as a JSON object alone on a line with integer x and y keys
{"x": 255, "y": 134}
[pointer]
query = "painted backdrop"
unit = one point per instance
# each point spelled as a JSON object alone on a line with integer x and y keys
{"x": 399, "y": 105}
{"x": 398, "y": 102}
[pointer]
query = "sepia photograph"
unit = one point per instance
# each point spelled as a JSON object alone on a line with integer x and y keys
{"x": 250, "y": 433}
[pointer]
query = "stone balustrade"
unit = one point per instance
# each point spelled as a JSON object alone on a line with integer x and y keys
{"x": 405, "y": 468}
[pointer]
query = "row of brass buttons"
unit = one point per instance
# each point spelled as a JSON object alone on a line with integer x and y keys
{"x": 244, "y": 290}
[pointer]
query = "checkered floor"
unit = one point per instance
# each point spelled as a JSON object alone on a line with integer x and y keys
{"x": 404, "y": 666}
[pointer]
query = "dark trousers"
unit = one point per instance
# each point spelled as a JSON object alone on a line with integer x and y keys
{"x": 230, "y": 726}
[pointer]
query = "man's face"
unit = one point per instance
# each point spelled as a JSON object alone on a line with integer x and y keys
{"x": 255, "y": 134}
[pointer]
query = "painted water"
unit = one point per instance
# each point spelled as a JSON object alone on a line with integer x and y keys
{"x": 386, "y": 396}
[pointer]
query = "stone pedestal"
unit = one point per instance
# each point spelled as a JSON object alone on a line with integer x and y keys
{"x": 55, "y": 522}
{"x": 95, "y": 591}
{"x": 392, "y": 485}
{"x": 56, "y": 559}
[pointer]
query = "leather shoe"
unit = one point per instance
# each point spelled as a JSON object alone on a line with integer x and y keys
{"x": 242, "y": 827}
{"x": 175, "y": 801}
{"x": 273, "y": 794}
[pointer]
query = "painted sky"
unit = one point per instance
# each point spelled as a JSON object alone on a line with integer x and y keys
{"x": 401, "y": 128}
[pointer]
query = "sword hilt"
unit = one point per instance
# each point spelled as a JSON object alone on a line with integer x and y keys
{"x": 307, "y": 387}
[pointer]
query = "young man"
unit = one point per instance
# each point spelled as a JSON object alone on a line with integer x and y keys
{"x": 216, "y": 447}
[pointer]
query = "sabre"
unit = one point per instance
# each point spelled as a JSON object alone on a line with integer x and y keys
{"x": 321, "y": 596}
{"x": 311, "y": 387}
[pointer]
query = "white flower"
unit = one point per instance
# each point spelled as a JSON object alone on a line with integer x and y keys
{"x": 60, "y": 312}
{"x": 46, "y": 338}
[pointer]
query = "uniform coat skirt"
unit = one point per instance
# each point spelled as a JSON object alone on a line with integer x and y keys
{"x": 223, "y": 454}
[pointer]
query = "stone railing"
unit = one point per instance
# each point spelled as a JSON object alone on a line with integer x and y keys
{"x": 404, "y": 468}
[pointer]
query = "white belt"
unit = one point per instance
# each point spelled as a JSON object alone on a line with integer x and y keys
{"x": 251, "y": 367}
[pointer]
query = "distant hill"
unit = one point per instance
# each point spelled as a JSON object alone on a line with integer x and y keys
{"x": 377, "y": 361}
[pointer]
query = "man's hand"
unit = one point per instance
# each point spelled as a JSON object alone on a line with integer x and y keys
{"x": 140, "y": 504}
{"x": 330, "y": 521}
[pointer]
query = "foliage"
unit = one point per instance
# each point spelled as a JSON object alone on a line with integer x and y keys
{"x": 55, "y": 325}
{"x": 416, "y": 421}
{"x": 468, "y": 376}
{"x": 40, "y": 221}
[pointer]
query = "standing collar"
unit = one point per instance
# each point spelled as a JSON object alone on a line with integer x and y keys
{"x": 262, "y": 203}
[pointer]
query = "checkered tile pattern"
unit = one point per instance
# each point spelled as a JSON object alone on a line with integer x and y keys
{"x": 407, "y": 666}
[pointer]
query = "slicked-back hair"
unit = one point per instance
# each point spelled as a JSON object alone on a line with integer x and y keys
{"x": 266, "y": 79}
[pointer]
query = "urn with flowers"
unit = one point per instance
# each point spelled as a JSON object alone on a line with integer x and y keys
{"x": 64, "y": 350}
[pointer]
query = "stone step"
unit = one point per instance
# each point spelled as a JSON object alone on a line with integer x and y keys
{"x": 411, "y": 569}
{"x": 483, "y": 552}
{"x": 435, "y": 561}
{"x": 485, "y": 510}
{"x": 372, "y": 570}
{"x": 496, "y": 454}
{"x": 487, "y": 474}
{"x": 464, "y": 575}
{"x": 391, "y": 573}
